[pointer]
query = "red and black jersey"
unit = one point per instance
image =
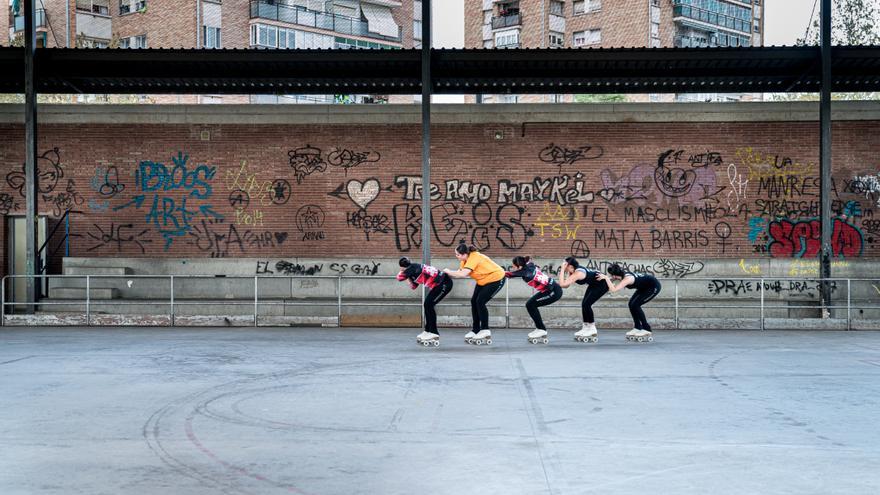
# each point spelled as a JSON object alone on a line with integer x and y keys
{"x": 533, "y": 277}
{"x": 421, "y": 274}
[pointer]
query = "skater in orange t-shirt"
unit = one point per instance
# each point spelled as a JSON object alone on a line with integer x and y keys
{"x": 490, "y": 279}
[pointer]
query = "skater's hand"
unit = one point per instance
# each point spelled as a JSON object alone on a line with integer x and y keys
{"x": 446, "y": 270}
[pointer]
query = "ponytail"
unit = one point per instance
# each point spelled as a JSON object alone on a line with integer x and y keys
{"x": 616, "y": 270}
{"x": 522, "y": 260}
{"x": 463, "y": 248}
{"x": 404, "y": 262}
{"x": 573, "y": 262}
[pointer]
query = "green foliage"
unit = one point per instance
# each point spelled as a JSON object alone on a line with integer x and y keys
{"x": 609, "y": 98}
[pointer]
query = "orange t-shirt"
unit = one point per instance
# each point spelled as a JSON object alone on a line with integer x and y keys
{"x": 483, "y": 269}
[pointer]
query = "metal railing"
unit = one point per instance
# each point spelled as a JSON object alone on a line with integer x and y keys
{"x": 710, "y": 17}
{"x": 757, "y": 302}
{"x": 18, "y": 21}
{"x": 292, "y": 14}
{"x": 506, "y": 21}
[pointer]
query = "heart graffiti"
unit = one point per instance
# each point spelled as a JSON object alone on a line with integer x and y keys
{"x": 363, "y": 193}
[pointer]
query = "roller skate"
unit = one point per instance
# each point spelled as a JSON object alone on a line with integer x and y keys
{"x": 644, "y": 336}
{"x": 483, "y": 337}
{"x": 469, "y": 337}
{"x": 428, "y": 339}
{"x": 631, "y": 336}
{"x": 587, "y": 334}
{"x": 538, "y": 335}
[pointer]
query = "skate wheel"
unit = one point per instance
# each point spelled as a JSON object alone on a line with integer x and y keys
{"x": 641, "y": 339}
{"x": 436, "y": 343}
{"x": 426, "y": 343}
{"x": 534, "y": 341}
{"x": 577, "y": 338}
{"x": 594, "y": 339}
{"x": 650, "y": 339}
{"x": 489, "y": 342}
{"x": 546, "y": 340}
{"x": 479, "y": 342}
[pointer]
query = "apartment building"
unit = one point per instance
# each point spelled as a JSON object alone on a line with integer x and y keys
{"x": 612, "y": 23}
{"x": 259, "y": 24}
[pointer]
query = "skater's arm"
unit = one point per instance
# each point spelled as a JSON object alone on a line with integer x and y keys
{"x": 627, "y": 280}
{"x": 463, "y": 273}
{"x": 406, "y": 275}
{"x": 522, "y": 272}
{"x": 566, "y": 281}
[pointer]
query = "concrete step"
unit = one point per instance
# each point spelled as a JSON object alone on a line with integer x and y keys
{"x": 97, "y": 270}
{"x": 80, "y": 293}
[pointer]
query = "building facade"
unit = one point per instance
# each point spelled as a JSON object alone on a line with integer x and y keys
{"x": 611, "y": 24}
{"x": 266, "y": 24}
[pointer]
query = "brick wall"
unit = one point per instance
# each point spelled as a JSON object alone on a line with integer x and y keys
{"x": 167, "y": 23}
{"x": 697, "y": 190}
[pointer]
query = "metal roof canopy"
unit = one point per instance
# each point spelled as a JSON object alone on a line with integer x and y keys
{"x": 454, "y": 71}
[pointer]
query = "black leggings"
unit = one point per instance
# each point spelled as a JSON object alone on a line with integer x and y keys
{"x": 482, "y": 295}
{"x": 542, "y": 299}
{"x": 593, "y": 294}
{"x": 433, "y": 297}
{"x": 642, "y": 296}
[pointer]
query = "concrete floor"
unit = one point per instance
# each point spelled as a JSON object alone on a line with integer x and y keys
{"x": 330, "y": 411}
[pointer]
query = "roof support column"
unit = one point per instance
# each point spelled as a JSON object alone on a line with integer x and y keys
{"x": 427, "y": 88}
{"x": 825, "y": 154}
{"x": 30, "y": 164}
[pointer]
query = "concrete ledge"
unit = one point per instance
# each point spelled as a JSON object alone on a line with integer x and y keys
{"x": 442, "y": 114}
{"x": 448, "y": 322}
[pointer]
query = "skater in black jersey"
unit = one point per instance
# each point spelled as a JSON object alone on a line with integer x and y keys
{"x": 647, "y": 287}
{"x": 439, "y": 285}
{"x": 547, "y": 292}
{"x": 571, "y": 272}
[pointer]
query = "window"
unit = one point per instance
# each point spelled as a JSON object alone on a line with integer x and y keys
{"x": 487, "y": 17}
{"x": 507, "y": 39}
{"x": 211, "y": 35}
{"x": 129, "y": 6}
{"x": 588, "y": 37}
{"x": 557, "y": 40}
{"x": 133, "y": 42}
{"x": 508, "y": 98}
{"x": 583, "y": 6}
{"x": 93, "y": 43}
{"x": 417, "y": 30}
{"x": 557, "y": 7}
{"x": 263, "y": 35}
{"x": 488, "y": 44}
{"x": 101, "y": 7}
{"x": 655, "y": 29}
{"x": 345, "y": 10}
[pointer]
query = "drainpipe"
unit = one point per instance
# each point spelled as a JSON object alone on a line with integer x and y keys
{"x": 543, "y": 32}
{"x": 67, "y": 23}
{"x": 198, "y": 23}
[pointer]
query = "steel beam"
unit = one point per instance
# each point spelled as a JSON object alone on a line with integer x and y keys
{"x": 825, "y": 153}
{"x": 30, "y": 165}
{"x": 426, "y": 131}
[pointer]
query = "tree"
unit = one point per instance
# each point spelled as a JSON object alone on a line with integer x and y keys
{"x": 853, "y": 22}
{"x": 601, "y": 98}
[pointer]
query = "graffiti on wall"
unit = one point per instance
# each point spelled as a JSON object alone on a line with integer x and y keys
{"x": 174, "y": 199}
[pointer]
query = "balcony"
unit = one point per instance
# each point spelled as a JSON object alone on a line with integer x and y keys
{"x": 18, "y": 21}
{"x": 321, "y": 20}
{"x": 506, "y": 21}
{"x": 93, "y": 20}
{"x": 710, "y": 17}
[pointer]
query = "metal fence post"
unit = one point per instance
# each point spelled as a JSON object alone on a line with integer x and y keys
{"x": 677, "y": 327}
{"x": 507, "y": 305}
{"x": 422, "y": 306}
{"x": 3, "y": 302}
{"x": 762, "y": 304}
{"x": 172, "y": 300}
{"x": 848, "y": 304}
{"x": 88, "y": 302}
{"x": 256, "y": 299}
{"x": 339, "y": 301}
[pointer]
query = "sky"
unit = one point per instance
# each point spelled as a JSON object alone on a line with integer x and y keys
{"x": 784, "y": 21}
